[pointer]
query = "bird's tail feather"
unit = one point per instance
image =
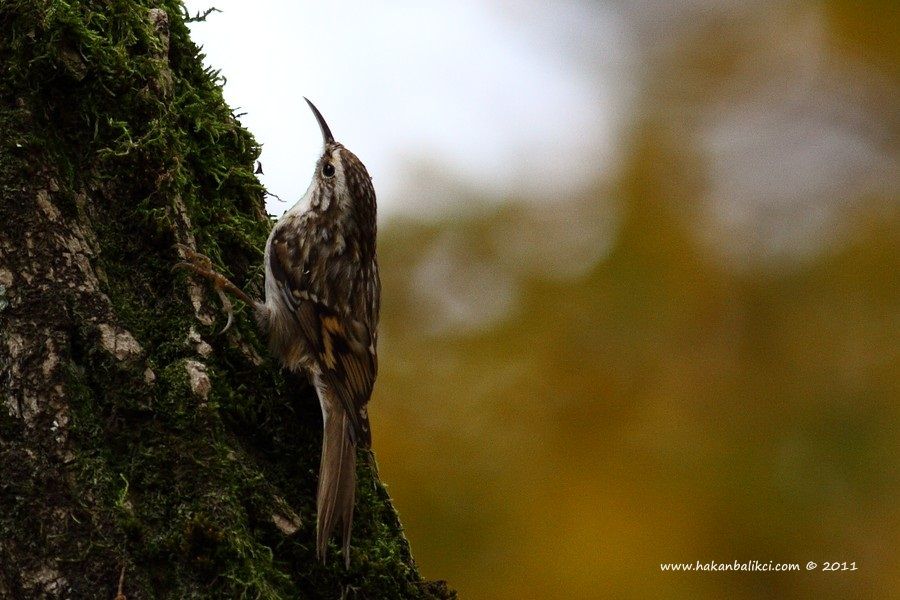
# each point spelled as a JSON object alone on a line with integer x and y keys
{"x": 337, "y": 483}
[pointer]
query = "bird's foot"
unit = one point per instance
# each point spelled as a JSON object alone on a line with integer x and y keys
{"x": 201, "y": 265}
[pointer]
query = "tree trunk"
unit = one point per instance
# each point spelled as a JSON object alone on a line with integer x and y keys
{"x": 137, "y": 444}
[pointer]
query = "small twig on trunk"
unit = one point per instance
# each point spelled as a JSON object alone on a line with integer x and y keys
{"x": 199, "y": 17}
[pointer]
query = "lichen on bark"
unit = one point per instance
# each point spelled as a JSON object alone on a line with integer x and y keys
{"x": 132, "y": 434}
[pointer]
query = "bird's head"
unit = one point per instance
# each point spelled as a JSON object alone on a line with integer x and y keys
{"x": 341, "y": 183}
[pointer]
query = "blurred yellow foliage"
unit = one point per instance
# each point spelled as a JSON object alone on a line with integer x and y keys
{"x": 555, "y": 417}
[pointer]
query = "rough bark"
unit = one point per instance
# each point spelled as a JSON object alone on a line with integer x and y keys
{"x": 133, "y": 437}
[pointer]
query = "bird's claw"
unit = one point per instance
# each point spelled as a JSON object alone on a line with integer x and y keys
{"x": 193, "y": 260}
{"x": 228, "y": 308}
{"x": 202, "y": 265}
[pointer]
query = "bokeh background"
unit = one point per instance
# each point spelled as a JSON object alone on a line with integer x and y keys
{"x": 641, "y": 266}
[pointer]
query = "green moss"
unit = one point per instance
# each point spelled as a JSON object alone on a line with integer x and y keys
{"x": 179, "y": 488}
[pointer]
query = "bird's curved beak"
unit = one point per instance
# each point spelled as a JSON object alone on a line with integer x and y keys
{"x": 327, "y": 138}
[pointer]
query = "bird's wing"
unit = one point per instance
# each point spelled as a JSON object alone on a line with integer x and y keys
{"x": 347, "y": 362}
{"x": 344, "y": 346}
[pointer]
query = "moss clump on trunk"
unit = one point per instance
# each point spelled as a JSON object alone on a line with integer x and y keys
{"x": 131, "y": 434}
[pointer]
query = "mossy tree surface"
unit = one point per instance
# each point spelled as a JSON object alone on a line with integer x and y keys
{"x": 132, "y": 435}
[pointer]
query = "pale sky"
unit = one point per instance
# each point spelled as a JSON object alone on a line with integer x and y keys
{"x": 481, "y": 97}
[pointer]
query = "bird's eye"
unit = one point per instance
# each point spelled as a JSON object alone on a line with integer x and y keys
{"x": 328, "y": 170}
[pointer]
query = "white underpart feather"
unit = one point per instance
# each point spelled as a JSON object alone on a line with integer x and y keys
{"x": 340, "y": 182}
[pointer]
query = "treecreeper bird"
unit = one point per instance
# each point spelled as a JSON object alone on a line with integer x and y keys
{"x": 322, "y": 295}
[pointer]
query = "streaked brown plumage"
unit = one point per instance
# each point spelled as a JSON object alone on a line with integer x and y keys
{"x": 321, "y": 315}
{"x": 321, "y": 312}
